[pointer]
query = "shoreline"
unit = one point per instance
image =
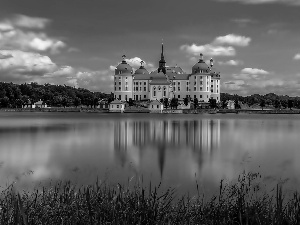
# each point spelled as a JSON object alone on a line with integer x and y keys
{"x": 165, "y": 111}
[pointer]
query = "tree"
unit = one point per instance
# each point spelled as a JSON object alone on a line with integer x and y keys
{"x": 174, "y": 103}
{"x": 212, "y": 103}
{"x": 290, "y": 104}
{"x": 130, "y": 102}
{"x": 276, "y": 104}
{"x": 77, "y": 102}
{"x": 196, "y": 102}
{"x": 186, "y": 101}
{"x": 166, "y": 103}
{"x": 262, "y": 104}
{"x": 236, "y": 104}
{"x": 224, "y": 104}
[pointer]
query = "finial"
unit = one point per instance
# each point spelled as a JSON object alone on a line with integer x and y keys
{"x": 211, "y": 62}
{"x": 142, "y": 62}
{"x": 201, "y": 56}
{"x": 123, "y": 57}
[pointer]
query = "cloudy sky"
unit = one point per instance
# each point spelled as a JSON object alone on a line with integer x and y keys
{"x": 255, "y": 43}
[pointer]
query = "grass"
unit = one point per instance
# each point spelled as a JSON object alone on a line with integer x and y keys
{"x": 243, "y": 202}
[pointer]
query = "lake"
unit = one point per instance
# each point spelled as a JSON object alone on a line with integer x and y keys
{"x": 176, "y": 150}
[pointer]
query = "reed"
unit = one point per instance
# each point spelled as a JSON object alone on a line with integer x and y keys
{"x": 242, "y": 202}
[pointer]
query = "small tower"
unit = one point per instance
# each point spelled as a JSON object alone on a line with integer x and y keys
{"x": 201, "y": 57}
{"x": 162, "y": 61}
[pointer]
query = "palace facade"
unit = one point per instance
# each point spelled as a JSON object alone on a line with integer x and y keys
{"x": 170, "y": 82}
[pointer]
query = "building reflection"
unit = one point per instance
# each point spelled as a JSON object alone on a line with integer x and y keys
{"x": 201, "y": 136}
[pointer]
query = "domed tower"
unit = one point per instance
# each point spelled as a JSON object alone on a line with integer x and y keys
{"x": 142, "y": 69}
{"x": 200, "y": 66}
{"x": 200, "y": 81}
{"x": 215, "y": 82}
{"x": 123, "y": 80}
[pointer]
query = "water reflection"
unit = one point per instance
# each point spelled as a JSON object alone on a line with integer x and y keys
{"x": 178, "y": 135}
{"x": 174, "y": 149}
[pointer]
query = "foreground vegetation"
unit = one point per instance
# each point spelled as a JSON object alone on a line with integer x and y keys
{"x": 240, "y": 203}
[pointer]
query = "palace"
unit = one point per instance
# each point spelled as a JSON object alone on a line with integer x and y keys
{"x": 169, "y": 82}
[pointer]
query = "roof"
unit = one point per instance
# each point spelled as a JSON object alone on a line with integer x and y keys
{"x": 155, "y": 102}
{"x": 124, "y": 67}
{"x": 141, "y": 70}
{"x": 116, "y": 102}
{"x": 159, "y": 78}
{"x": 201, "y": 65}
{"x": 173, "y": 76}
{"x": 39, "y": 103}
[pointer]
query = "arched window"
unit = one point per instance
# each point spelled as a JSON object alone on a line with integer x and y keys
{"x": 154, "y": 91}
{"x": 159, "y": 88}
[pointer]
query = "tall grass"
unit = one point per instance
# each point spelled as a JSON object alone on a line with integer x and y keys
{"x": 242, "y": 202}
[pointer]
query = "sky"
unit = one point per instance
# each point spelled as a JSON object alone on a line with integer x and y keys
{"x": 255, "y": 44}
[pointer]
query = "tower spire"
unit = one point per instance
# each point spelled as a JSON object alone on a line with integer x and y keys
{"x": 162, "y": 62}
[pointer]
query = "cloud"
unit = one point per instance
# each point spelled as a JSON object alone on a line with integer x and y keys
{"x": 13, "y": 37}
{"x": 243, "y": 22}
{"x": 232, "y": 39}
{"x": 30, "y": 22}
{"x": 24, "y": 66}
{"x": 95, "y": 80}
{"x": 254, "y": 71}
{"x": 5, "y": 56}
{"x": 231, "y": 63}
{"x": 135, "y": 62}
{"x": 288, "y": 2}
{"x": 297, "y": 56}
{"x": 217, "y": 48}
{"x": 208, "y": 49}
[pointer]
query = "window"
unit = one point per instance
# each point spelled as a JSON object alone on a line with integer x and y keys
{"x": 157, "y": 106}
{"x": 152, "y": 106}
{"x": 140, "y": 88}
{"x": 200, "y": 77}
{"x": 201, "y": 82}
{"x": 115, "y": 83}
{"x": 187, "y": 83}
{"x": 178, "y": 83}
{"x": 140, "y": 83}
{"x": 119, "y": 97}
{"x": 119, "y": 83}
{"x": 195, "y": 83}
{"x": 144, "y": 83}
{"x": 126, "y": 88}
{"x": 178, "y": 88}
{"x": 115, "y": 88}
{"x": 217, "y": 98}
{"x": 211, "y": 90}
{"x": 200, "y": 88}
{"x": 119, "y": 88}
{"x": 194, "y": 96}
{"x": 126, "y": 83}
{"x": 164, "y": 93}
{"x": 144, "y": 88}
{"x": 159, "y": 88}
{"x": 187, "y": 89}
{"x": 200, "y": 96}
{"x": 112, "y": 106}
{"x": 117, "y": 106}
{"x": 178, "y": 96}
{"x": 211, "y": 85}
{"x": 211, "y": 81}
{"x": 194, "y": 88}
{"x": 144, "y": 96}
{"x": 126, "y": 78}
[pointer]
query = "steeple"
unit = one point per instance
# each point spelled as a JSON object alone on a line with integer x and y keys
{"x": 162, "y": 61}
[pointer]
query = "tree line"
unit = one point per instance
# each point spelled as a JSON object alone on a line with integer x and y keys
{"x": 271, "y": 99}
{"x": 17, "y": 95}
